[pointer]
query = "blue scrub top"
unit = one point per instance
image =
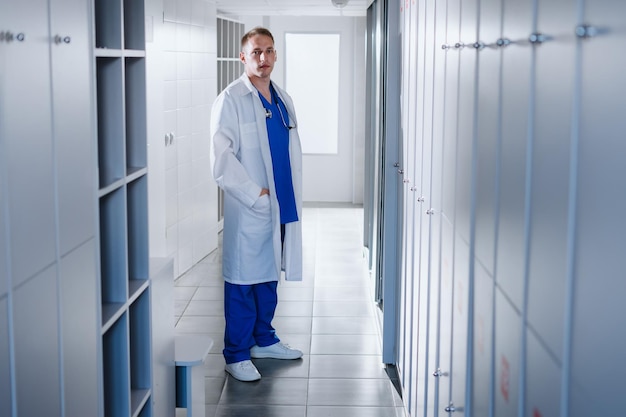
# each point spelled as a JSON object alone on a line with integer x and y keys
{"x": 278, "y": 133}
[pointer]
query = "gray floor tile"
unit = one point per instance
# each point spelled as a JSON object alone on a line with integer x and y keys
{"x": 260, "y": 411}
{"x": 343, "y": 411}
{"x": 200, "y": 324}
{"x": 343, "y": 309}
{"x": 292, "y": 325}
{"x": 213, "y": 387}
{"x": 184, "y": 293}
{"x": 347, "y": 366}
{"x": 294, "y": 309}
{"x": 343, "y": 325}
{"x": 323, "y": 344}
{"x": 274, "y": 368}
{"x": 350, "y": 392}
{"x": 295, "y": 293}
{"x": 267, "y": 391}
{"x": 341, "y": 294}
{"x": 205, "y": 308}
{"x": 209, "y": 293}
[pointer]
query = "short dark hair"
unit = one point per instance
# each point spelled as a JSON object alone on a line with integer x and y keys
{"x": 253, "y": 32}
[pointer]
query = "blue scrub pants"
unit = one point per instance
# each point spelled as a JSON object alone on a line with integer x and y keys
{"x": 249, "y": 311}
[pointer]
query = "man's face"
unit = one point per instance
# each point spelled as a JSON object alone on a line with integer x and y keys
{"x": 258, "y": 56}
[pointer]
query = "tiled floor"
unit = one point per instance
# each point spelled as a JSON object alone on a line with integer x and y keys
{"x": 330, "y": 316}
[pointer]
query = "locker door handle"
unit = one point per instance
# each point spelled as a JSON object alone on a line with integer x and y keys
{"x": 439, "y": 373}
{"x": 451, "y": 408}
{"x": 58, "y": 39}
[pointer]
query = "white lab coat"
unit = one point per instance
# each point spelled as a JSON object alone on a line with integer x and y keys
{"x": 242, "y": 166}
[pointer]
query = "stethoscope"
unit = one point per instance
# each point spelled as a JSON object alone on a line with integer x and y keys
{"x": 278, "y": 101}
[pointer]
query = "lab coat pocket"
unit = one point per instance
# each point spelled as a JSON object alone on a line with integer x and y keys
{"x": 249, "y": 136}
{"x": 257, "y": 222}
{"x": 256, "y": 244}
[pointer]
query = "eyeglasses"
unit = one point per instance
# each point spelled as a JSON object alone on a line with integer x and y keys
{"x": 258, "y": 52}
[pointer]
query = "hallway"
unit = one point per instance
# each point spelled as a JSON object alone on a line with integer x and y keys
{"x": 330, "y": 316}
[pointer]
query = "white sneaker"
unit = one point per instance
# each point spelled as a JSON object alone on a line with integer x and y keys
{"x": 275, "y": 351}
{"x": 243, "y": 371}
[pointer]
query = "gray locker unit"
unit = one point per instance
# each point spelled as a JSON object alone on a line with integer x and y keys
{"x": 512, "y": 286}
{"x": 49, "y": 323}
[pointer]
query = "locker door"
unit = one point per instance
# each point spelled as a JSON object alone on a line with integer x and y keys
{"x": 598, "y": 337}
{"x": 405, "y": 175}
{"x": 5, "y": 359}
{"x": 508, "y": 336}
{"x": 419, "y": 288}
{"x": 437, "y": 78}
{"x": 26, "y": 97}
{"x": 463, "y": 269}
{"x": 487, "y": 128}
{"x": 488, "y": 114}
{"x": 516, "y": 66}
{"x": 547, "y": 274}
{"x": 73, "y": 126}
{"x": 448, "y": 198}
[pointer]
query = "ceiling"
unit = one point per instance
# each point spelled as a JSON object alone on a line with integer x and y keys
{"x": 290, "y": 8}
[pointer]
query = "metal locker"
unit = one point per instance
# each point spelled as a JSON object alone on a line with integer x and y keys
{"x": 487, "y": 128}
{"x": 552, "y": 114}
{"x": 78, "y": 290}
{"x": 466, "y": 118}
{"x": 5, "y": 359}
{"x": 460, "y": 323}
{"x": 441, "y": 373}
{"x": 516, "y": 68}
{"x": 436, "y": 197}
{"x": 36, "y": 341}
{"x": 448, "y": 187}
{"x": 26, "y": 97}
{"x": 482, "y": 342}
{"x": 73, "y": 122}
{"x": 543, "y": 380}
{"x": 404, "y": 173}
{"x": 506, "y": 356}
{"x": 598, "y": 284}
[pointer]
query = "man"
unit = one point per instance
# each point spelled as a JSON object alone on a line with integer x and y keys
{"x": 257, "y": 161}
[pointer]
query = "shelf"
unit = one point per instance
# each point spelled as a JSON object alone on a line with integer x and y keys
{"x": 134, "y": 24}
{"x": 136, "y": 129}
{"x": 139, "y": 315}
{"x": 138, "y": 254}
{"x": 111, "y": 312}
{"x": 108, "y": 19}
{"x": 115, "y": 369}
{"x": 113, "y": 254}
{"x": 110, "y": 106}
{"x": 139, "y": 404}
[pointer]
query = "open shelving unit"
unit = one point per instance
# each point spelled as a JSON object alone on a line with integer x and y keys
{"x": 120, "y": 66}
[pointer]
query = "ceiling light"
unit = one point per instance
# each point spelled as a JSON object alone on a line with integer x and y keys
{"x": 339, "y": 3}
